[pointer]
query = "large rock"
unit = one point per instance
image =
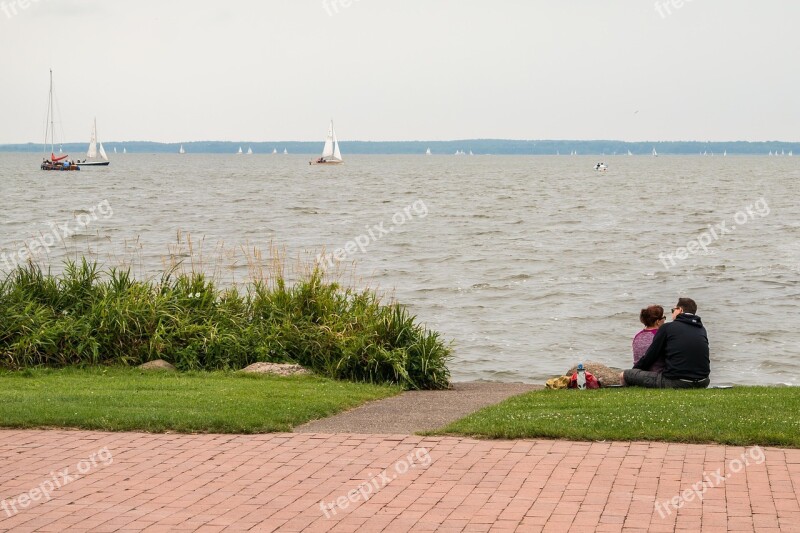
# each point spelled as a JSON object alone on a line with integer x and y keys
{"x": 278, "y": 369}
{"x": 158, "y": 364}
{"x": 605, "y": 374}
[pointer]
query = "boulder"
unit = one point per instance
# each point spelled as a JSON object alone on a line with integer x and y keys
{"x": 278, "y": 369}
{"x": 158, "y": 364}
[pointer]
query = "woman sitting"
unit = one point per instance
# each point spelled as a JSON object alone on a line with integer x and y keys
{"x": 652, "y": 318}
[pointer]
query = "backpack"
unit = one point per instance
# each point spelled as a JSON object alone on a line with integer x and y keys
{"x": 591, "y": 381}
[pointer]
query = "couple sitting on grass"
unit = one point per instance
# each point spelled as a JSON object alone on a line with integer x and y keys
{"x": 670, "y": 356}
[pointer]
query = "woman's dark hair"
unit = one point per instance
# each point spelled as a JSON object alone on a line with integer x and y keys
{"x": 650, "y": 316}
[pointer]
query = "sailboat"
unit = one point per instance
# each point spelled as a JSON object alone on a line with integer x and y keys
{"x": 470, "y": 152}
{"x": 124, "y": 150}
{"x": 54, "y": 163}
{"x": 249, "y": 150}
{"x": 790, "y": 153}
{"x": 274, "y": 151}
{"x": 655, "y": 154}
{"x": 725, "y": 153}
{"x": 428, "y": 151}
{"x": 330, "y": 153}
{"x": 91, "y": 155}
{"x": 115, "y": 149}
{"x": 629, "y": 152}
{"x": 181, "y": 151}
{"x": 285, "y": 151}
{"x": 240, "y": 152}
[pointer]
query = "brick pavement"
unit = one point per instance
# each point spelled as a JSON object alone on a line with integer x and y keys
{"x": 276, "y": 482}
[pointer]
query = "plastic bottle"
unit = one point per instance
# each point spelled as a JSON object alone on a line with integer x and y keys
{"x": 581, "y": 377}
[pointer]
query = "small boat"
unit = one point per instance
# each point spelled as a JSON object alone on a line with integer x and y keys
{"x": 181, "y": 151}
{"x": 91, "y": 155}
{"x": 115, "y": 149}
{"x": 470, "y": 152}
{"x": 124, "y": 150}
{"x": 330, "y": 153}
{"x": 655, "y": 154}
{"x": 249, "y": 150}
{"x": 629, "y": 152}
{"x": 60, "y": 162}
{"x": 285, "y": 151}
{"x": 428, "y": 151}
{"x": 725, "y": 153}
{"x": 274, "y": 151}
{"x": 240, "y": 152}
{"x": 770, "y": 152}
{"x": 790, "y": 153}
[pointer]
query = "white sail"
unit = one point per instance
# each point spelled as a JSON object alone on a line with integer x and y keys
{"x": 103, "y": 153}
{"x": 285, "y": 151}
{"x": 115, "y": 149}
{"x": 181, "y": 151}
{"x": 629, "y": 152}
{"x": 274, "y": 150}
{"x": 249, "y": 150}
{"x": 428, "y": 151}
{"x": 331, "y": 150}
{"x": 124, "y": 150}
{"x": 655, "y": 154}
{"x": 92, "y": 152}
{"x": 240, "y": 151}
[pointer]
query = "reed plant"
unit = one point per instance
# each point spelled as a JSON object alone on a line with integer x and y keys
{"x": 88, "y": 316}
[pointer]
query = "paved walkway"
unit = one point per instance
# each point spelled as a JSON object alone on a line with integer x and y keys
{"x": 417, "y": 411}
{"x": 131, "y": 482}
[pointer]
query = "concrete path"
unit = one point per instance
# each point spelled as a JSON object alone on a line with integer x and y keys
{"x": 416, "y": 411}
{"x": 88, "y": 481}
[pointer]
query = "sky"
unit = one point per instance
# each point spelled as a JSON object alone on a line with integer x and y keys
{"x": 271, "y": 70}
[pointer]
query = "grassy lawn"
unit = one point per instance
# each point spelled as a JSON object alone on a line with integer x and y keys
{"x": 738, "y": 416}
{"x": 118, "y": 399}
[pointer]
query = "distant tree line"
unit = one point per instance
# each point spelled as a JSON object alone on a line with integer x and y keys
{"x": 476, "y": 146}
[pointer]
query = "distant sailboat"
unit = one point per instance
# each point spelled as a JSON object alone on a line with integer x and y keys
{"x": 91, "y": 154}
{"x": 331, "y": 155}
{"x": 770, "y": 152}
{"x": 115, "y": 149}
{"x": 285, "y": 151}
{"x": 249, "y": 150}
{"x": 629, "y": 152}
{"x": 725, "y": 153}
{"x": 428, "y": 151}
{"x": 181, "y": 151}
{"x": 782, "y": 152}
{"x": 274, "y": 151}
{"x": 655, "y": 154}
{"x": 240, "y": 152}
{"x": 470, "y": 152}
{"x": 124, "y": 150}
{"x": 790, "y": 153}
{"x": 54, "y": 163}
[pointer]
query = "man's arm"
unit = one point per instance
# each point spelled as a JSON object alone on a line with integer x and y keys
{"x": 656, "y": 350}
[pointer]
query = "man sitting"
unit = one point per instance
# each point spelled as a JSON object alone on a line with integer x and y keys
{"x": 683, "y": 344}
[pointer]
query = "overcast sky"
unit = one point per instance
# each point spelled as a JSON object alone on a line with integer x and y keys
{"x": 183, "y": 70}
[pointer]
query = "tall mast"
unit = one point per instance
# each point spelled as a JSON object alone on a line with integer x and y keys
{"x": 52, "y": 123}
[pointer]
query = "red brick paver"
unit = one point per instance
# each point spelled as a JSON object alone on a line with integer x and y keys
{"x": 311, "y": 482}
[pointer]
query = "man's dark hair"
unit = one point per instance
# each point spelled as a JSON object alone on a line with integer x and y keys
{"x": 688, "y": 305}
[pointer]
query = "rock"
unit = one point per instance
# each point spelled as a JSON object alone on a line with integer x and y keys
{"x": 158, "y": 364}
{"x": 278, "y": 369}
{"x": 605, "y": 374}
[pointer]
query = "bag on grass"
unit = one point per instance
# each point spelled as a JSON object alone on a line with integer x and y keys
{"x": 591, "y": 381}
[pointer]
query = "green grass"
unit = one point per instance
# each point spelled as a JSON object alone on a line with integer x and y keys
{"x": 121, "y": 399}
{"x": 85, "y": 316}
{"x": 738, "y": 416}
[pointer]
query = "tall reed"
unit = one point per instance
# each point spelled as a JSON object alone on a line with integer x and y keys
{"x": 85, "y": 316}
